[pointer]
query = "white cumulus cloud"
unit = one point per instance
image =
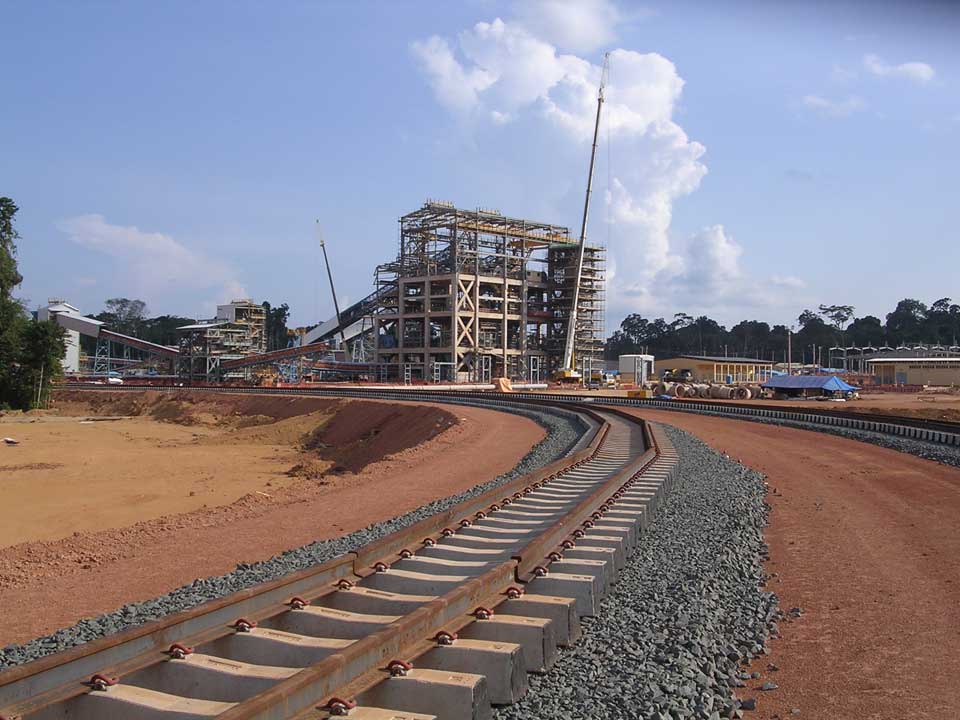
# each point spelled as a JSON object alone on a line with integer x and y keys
{"x": 787, "y": 281}
{"x": 575, "y": 25}
{"x": 154, "y": 265}
{"x": 834, "y": 108}
{"x": 500, "y": 72}
{"x": 919, "y": 72}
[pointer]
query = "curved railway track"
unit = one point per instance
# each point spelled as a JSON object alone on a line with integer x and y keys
{"x": 935, "y": 431}
{"x": 441, "y": 619}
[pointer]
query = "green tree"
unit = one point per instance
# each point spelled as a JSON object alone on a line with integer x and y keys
{"x": 28, "y": 350}
{"x": 751, "y": 338}
{"x": 838, "y": 315}
{"x": 123, "y": 315}
{"x": 906, "y": 323}
{"x": 42, "y": 349}
{"x": 276, "y": 325}
{"x": 9, "y": 277}
{"x": 865, "y": 331}
{"x": 11, "y": 313}
{"x": 807, "y": 317}
{"x": 942, "y": 322}
{"x": 162, "y": 329}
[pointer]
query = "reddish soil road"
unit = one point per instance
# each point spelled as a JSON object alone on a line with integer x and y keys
{"x": 866, "y": 541}
{"x": 48, "y": 585}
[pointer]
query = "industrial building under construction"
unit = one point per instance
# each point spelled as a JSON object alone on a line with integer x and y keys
{"x": 474, "y": 295}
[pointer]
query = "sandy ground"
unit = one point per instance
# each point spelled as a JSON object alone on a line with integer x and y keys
{"x": 866, "y": 541}
{"x": 100, "y": 571}
{"x": 69, "y": 475}
{"x": 95, "y": 472}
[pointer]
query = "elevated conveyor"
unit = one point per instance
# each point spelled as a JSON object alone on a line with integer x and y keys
{"x": 95, "y": 329}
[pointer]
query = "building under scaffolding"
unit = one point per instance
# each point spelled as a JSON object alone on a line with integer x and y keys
{"x": 237, "y": 332}
{"x": 475, "y": 295}
{"x": 252, "y": 317}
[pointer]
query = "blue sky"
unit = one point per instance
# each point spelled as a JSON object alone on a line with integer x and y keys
{"x": 757, "y": 158}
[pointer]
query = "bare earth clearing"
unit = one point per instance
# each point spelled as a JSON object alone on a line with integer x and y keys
{"x": 108, "y": 517}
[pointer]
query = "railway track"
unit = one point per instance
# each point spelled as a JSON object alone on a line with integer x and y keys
{"x": 442, "y": 619}
{"x": 940, "y": 432}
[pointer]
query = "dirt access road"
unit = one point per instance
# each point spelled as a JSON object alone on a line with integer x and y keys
{"x": 866, "y": 541}
{"x": 373, "y": 479}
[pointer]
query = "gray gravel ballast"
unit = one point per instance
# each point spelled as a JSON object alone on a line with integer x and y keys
{"x": 689, "y": 608}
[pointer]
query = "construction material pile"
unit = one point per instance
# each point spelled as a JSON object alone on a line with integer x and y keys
{"x": 709, "y": 391}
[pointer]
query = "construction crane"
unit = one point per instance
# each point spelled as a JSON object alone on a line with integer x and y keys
{"x": 333, "y": 291}
{"x": 567, "y": 370}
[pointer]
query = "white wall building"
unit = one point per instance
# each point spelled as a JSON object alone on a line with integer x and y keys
{"x": 636, "y": 368}
{"x": 71, "y": 360}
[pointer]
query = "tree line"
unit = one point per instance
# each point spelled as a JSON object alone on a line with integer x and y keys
{"x": 30, "y": 351}
{"x": 910, "y": 323}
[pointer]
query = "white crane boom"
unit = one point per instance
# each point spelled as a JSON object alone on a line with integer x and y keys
{"x": 567, "y": 367}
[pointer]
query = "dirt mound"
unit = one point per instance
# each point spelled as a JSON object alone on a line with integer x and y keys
{"x": 365, "y": 432}
{"x": 186, "y": 408}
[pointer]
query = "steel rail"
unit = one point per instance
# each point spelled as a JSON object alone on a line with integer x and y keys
{"x": 615, "y": 457}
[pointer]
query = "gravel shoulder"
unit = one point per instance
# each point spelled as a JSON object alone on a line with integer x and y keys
{"x": 689, "y": 608}
{"x": 486, "y": 448}
{"x": 865, "y": 541}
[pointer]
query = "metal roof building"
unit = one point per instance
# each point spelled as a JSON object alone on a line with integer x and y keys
{"x": 718, "y": 368}
{"x": 916, "y": 370}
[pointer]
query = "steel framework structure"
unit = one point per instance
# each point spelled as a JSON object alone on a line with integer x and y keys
{"x": 484, "y": 295}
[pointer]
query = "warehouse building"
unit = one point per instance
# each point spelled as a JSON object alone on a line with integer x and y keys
{"x": 943, "y": 371}
{"x": 708, "y": 368}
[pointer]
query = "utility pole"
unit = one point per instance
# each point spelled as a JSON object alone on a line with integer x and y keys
{"x": 40, "y": 387}
{"x": 790, "y": 350}
{"x": 333, "y": 291}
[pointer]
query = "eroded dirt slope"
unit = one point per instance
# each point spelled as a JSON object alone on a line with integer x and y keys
{"x": 159, "y": 455}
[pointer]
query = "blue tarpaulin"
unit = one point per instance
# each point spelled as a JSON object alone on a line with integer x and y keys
{"x": 808, "y": 382}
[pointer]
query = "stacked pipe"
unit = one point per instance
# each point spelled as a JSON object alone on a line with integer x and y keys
{"x": 708, "y": 391}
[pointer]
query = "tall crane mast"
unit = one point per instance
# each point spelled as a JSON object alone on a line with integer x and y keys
{"x": 567, "y": 367}
{"x": 333, "y": 290}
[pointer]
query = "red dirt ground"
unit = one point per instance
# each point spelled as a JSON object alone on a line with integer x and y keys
{"x": 866, "y": 541}
{"x": 390, "y": 428}
{"x": 49, "y": 585}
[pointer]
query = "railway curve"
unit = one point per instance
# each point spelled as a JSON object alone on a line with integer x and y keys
{"x": 495, "y": 583}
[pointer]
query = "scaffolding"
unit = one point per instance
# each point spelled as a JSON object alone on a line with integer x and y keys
{"x": 473, "y": 294}
{"x": 203, "y": 346}
{"x": 252, "y": 317}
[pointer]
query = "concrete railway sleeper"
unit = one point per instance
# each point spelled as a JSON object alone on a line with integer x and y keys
{"x": 442, "y": 619}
